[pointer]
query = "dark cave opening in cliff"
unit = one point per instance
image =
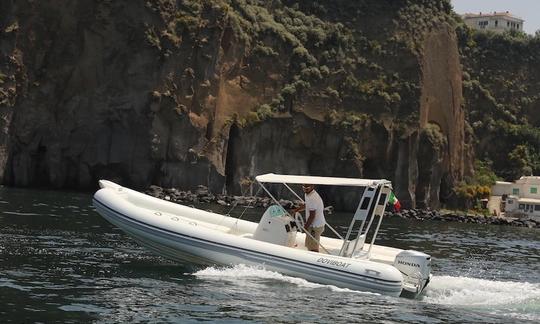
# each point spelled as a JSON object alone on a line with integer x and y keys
{"x": 230, "y": 161}
{"x": 445, "y": 190}
{"x": 41, "y": 168}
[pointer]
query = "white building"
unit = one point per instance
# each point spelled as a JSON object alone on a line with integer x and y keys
{"x": 516, "y": 199}
{"x": 497, "y": 21}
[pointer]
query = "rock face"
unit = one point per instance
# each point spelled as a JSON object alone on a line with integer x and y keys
{"x": 213, "y": 93}
{"x": 11, "y": 65}
{"x": 445, "y": 157}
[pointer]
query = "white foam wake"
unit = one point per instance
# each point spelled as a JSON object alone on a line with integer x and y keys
{"x": 473, "y": 291}
{"x": 516, "y": 299}
{"x": 242, "y": 272}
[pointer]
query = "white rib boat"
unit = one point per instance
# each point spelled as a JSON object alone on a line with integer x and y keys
{"x": 188, "y": 234}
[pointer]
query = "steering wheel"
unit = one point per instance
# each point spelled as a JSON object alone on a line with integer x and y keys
{"x": 299, "y": 221}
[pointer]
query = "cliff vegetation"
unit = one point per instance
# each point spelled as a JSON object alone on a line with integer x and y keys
{"x": 183, "y": 93}
{"x": 501, "y": 82}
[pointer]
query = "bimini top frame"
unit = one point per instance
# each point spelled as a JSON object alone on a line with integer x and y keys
{"x": 327, "y": 181}
{"x": 372, "y": 203}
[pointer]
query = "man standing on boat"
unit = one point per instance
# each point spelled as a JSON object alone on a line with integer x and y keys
{"x": 315, "y": 220}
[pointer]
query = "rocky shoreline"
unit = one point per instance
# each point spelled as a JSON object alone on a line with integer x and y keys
{"x": 462, "y": 217}
{"x": 203, "y": 195}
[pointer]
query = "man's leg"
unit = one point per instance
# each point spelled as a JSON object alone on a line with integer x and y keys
{"x": 312, "y": 244}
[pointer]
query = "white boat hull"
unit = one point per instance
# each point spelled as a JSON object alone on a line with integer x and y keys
{"x": 182, "y": 234}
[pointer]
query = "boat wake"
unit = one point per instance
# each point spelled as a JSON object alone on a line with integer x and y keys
{"x": 242, "y": 272}
{"x": 508, "y": 298}
{"x": 519, "y": 300}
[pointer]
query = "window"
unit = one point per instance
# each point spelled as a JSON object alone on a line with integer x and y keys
{"x": 534, "y": 190}
{"x": 521, "y": 206}
{"x": 515, "y": 191}
{"x": 536, "y": 207}
{"x": 507, "y": 24}
{"x": 517, "y": 26}
{"x": 496, "y": 23}
{"x": 510, "y": 201}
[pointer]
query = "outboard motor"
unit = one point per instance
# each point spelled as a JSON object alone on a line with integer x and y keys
{"x": 416, "y": 269}
{"x": 277, "y": 227}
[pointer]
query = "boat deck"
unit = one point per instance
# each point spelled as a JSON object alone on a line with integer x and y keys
{"x": 332, "y": 245}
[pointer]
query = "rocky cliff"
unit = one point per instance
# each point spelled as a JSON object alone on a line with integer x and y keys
{"x": 501, "y": 83}
{"x": 182, "y": 93}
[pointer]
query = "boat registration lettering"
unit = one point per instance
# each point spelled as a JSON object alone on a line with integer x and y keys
{"x": 333, "y": 262}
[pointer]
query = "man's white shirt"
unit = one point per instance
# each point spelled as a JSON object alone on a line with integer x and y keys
{"x": 314, "y": 202}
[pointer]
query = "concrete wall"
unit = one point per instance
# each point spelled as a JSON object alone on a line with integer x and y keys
{"x": 501, "y": 188}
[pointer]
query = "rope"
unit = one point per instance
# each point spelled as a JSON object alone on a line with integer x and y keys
{"x": 243, "y": 212}
{"x": 228, "y": 214}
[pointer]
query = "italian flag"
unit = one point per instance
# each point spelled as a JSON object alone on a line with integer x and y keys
{"x": 394, "y": 201}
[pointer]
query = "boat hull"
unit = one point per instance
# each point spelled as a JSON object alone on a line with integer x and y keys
{"x": 201, "y": 246}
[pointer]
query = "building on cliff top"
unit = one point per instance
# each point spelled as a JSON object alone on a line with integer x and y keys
{"x": 497, "y": 21}
{"x": 520, "y": 198}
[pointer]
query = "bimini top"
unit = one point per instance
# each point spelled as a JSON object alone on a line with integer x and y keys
{"x": 352, "y": 182}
